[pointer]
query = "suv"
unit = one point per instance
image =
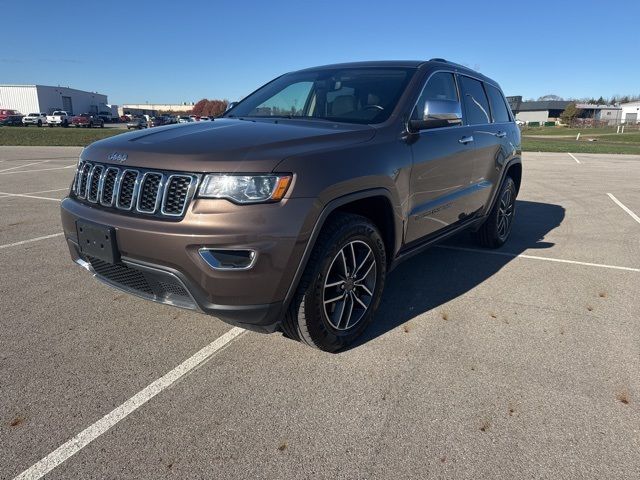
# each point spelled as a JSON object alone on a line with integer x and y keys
{"x": 35, "y": 119}
{"x": 287, "y": 213}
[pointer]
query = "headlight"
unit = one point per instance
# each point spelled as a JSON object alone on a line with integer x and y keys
{"x": 245, "y": 188}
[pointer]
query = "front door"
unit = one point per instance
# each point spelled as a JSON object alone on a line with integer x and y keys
{"x": 443, "y": 160}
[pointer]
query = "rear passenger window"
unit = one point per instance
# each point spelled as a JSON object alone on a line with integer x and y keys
{"x": 475, "y": 101}
{"x": 441, "y": 86}
{"x": 498, "y": 107}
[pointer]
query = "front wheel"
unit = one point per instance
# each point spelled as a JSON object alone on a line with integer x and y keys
{"x": 341, "y": 287}
{"x": 496, "y": 229}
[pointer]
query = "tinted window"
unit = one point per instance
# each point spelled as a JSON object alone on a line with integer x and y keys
{"x": 441, "y": 86}
{"x": 498, "y": 107}
{"x": 355, "y": 95}
{"x": 475, "y": 101}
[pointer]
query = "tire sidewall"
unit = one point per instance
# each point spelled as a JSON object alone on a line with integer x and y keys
{"x": 320, "y": 330}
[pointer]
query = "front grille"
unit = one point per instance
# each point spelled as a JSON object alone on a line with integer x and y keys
{"x": 108, "y": 187}
{"x": 94, "y": 182}
{"x": 152, "y": 284}
{"x": 149, "y": 190}
{"x": 176, "y": 195}
{"x": 158, "y": 193}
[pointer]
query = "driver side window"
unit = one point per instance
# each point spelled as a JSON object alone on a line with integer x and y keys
{"x": 441, "y": 86}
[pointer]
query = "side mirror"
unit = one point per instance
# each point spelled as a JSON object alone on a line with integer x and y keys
{"x": 231, "y": 105}
{"x": 438, "y": 113}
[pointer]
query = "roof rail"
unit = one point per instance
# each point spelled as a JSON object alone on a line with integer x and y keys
{"x": 437, "y": 59}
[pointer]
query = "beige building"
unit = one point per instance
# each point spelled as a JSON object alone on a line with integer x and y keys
{"x": 154, "y": 108}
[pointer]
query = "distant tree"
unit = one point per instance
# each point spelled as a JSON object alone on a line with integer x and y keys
{"x": 569, "y": 114}
{"x": 546, "y": 98}
{"x": 601, "y": 101}
{"x": 209, "y": 108}
{"x": 199, "y": 107}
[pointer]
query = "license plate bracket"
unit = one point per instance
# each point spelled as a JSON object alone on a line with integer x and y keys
{"x": 98, "y": 241}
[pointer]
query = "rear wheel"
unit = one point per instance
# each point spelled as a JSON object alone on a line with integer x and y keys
{"x": 341, "y": 287}
{"x": 496, "y": 229}
{"x": 39, "y": 123}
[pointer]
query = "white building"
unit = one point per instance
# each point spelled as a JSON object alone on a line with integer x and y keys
{"x": 42, "y": 98}
{"x": 154, "y": 108}
{"x": 630, "y": 112}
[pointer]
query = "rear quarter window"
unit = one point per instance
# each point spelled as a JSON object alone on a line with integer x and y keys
{"x": 475, "y": 101}
{"x": 498, "y": 106}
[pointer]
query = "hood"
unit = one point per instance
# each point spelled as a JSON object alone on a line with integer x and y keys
{"x": 226, "y": 145}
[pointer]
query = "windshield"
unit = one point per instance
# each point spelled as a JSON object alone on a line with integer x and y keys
{"x": 353, "y": 95}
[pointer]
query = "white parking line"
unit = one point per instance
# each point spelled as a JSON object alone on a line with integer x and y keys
{"x": 7, "y": 245}
{"x": 38, "y": 170}
{"x": 89, "y": 434}
{"x": 24, "y": 195}
{"x": 534, "y": 257}
{"x": 22, "y": 166}
{"x": 622, "y": 206}
{"x": 572, "y": 156}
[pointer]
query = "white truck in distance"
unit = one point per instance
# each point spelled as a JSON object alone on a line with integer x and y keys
{"x": 59, "y": 117}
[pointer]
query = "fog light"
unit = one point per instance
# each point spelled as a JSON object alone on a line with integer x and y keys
{"x": 228, "y": 259}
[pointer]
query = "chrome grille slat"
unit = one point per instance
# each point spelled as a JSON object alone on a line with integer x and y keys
{"x": 150, "y": 192}
{"x": 125, "y": 197}
{"x": 141, "y": 191}
{"x": 108, "y": 187}
{"x": 176, "y": 194}
{"x": 83, "y": 174}
{"x": 93, "y": 183}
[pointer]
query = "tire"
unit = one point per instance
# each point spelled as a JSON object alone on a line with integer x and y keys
{"x": 331, "y": 325}
{"x": 39, "y": 123}
{"x": 101, "y": 124}
{"x": 494, "y": 232}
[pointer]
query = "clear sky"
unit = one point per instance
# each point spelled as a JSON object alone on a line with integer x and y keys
{"x": 176, "y": 51}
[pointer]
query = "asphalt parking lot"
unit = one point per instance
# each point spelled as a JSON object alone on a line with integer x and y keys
{"x": 517, "y": 363}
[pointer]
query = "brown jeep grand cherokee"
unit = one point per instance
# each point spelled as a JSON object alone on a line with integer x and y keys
{"x": 287, "y": 212}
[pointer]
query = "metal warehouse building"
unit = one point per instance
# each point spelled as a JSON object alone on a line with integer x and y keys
{"x": 43, "y": 98}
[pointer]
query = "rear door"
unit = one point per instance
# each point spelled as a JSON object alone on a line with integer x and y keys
{"x": 442, "y": 166}
{"x": 487, "y": 141}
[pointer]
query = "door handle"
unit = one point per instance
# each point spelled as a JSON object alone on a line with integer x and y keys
{"x": 466, "y": 140}
{"x": 501, "y": 134}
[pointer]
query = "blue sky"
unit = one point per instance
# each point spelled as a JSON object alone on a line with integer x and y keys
{"x": 175, "y": 51}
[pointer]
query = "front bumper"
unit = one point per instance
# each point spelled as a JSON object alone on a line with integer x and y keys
{"x": 165, "y": 253}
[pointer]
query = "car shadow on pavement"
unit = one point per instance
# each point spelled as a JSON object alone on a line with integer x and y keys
{"x": 439, "y": 275}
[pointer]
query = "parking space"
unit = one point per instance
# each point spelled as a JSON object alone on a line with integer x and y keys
{"x": 518, "y": 362}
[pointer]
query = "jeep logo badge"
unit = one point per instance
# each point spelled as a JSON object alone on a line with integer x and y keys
{"x": 117, "y": 157}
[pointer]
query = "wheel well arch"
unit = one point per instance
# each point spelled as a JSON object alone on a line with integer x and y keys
{"x": 515, "y": 172}
{"x": 379, "y": 210}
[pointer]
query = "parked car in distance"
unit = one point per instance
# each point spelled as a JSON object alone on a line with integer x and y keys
{"x": 7, "y": 112}
{"x": 159, "y": 121}
{"x": 87, "y": 120}
{"x": 60, "y": 118}
{"x": 137, "y": 123}
{"x": 287, "y": 213}
{"x": 185, "y": 120}
{"x": 38, "y": 119}
{"x": 521, "y": 123}
{"x": 11, "y": 120}
{"x": 107, "y": 117}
